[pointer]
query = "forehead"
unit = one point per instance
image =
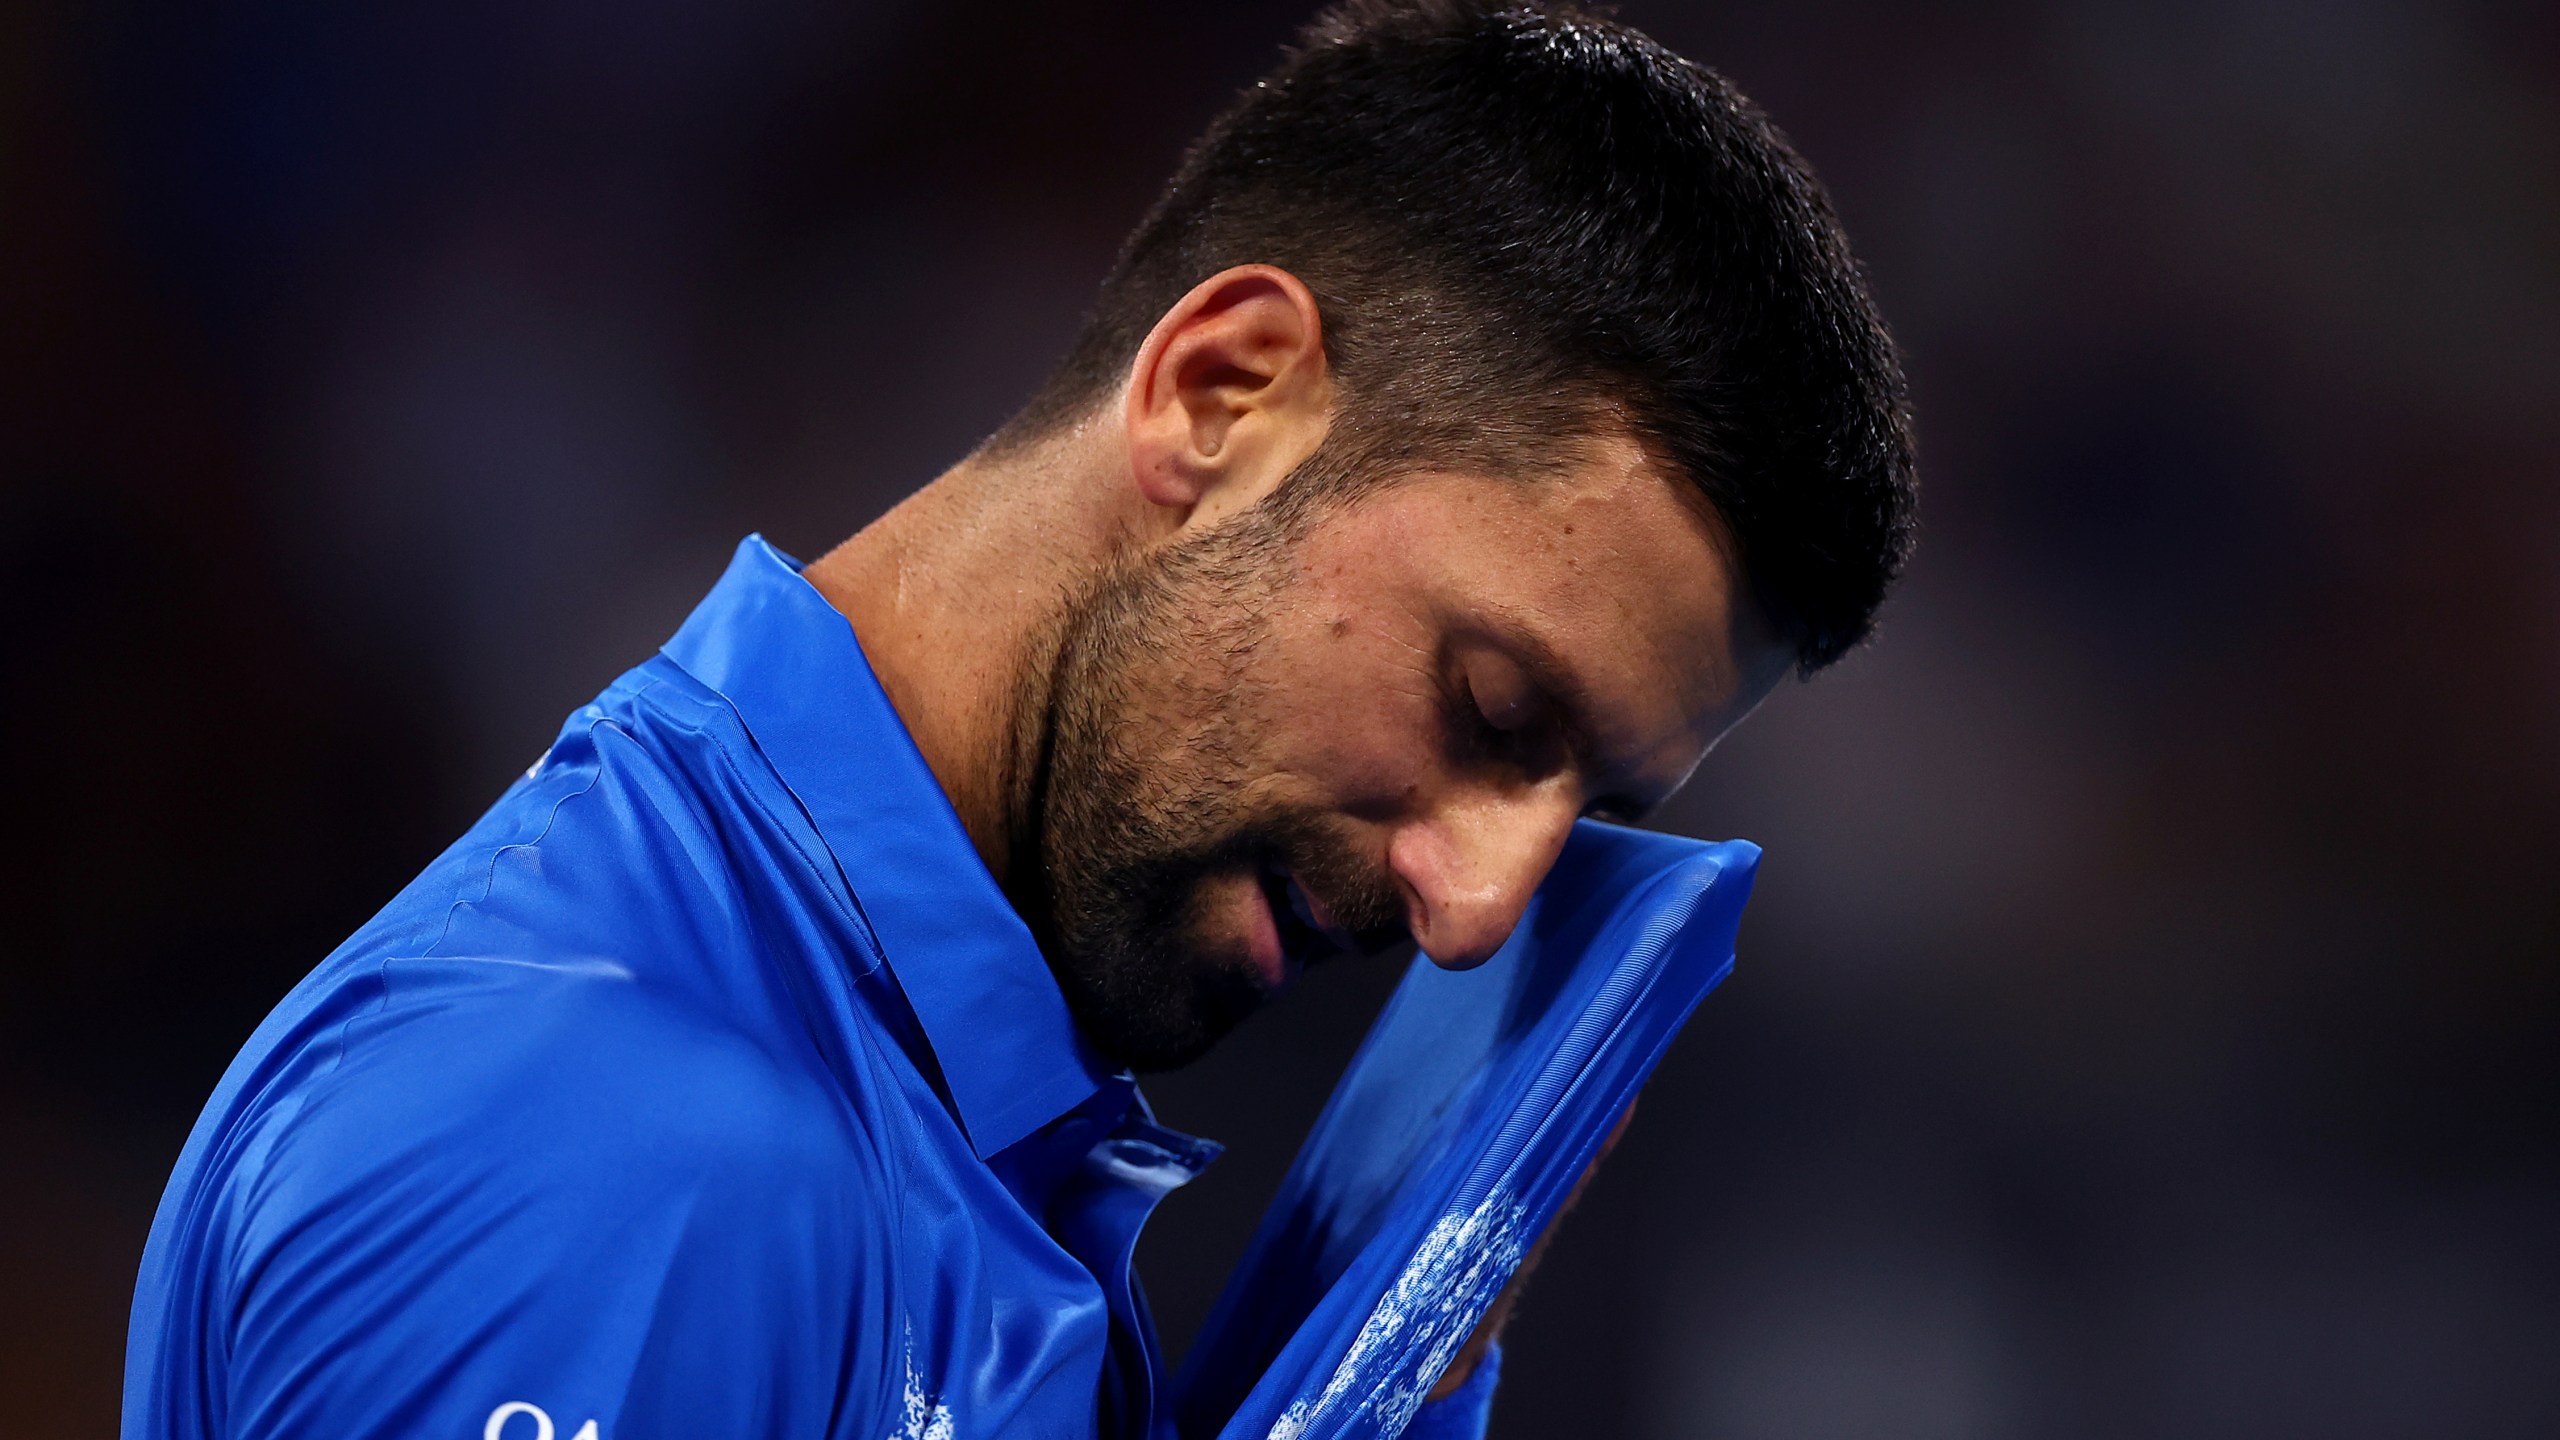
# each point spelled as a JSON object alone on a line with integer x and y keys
{"x": 1605, "y": 564}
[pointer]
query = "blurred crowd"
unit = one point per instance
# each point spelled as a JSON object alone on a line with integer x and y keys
{"x": 2148, "y": 1023}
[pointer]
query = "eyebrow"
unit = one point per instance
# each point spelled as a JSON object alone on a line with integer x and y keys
{"x": 1548, "y": 669}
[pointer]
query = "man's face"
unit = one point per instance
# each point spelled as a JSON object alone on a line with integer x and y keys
{"x": 1269, "y": 747}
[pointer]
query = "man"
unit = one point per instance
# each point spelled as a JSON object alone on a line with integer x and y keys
{"x": 1486, "y": 418}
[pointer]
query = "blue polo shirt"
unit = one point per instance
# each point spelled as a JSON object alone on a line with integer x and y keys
{"x": 707, "y": 1087}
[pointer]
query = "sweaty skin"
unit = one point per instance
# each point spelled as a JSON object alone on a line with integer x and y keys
{"x": 1405, "y": 704}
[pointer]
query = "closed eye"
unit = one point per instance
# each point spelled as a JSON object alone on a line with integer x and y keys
{"x": 1514, "y": 701}
{"x": 1469, "y": 726}
{"x": 1520, "y": 731}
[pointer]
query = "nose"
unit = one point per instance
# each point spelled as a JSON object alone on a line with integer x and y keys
{"x": 1470, "y": 867}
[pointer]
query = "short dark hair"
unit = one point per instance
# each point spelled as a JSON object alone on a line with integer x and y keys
{"x": 1518, "y": 219}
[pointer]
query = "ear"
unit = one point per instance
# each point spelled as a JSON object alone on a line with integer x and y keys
{"x": 1228, "y": 394}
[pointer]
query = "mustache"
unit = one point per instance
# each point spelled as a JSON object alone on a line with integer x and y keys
{"x": 1356, "y": 895}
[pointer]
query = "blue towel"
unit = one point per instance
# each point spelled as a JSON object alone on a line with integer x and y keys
{"x": 1474, "y": 1104}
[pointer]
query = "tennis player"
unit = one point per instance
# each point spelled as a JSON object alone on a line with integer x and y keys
{"x": 1487, "y": 416}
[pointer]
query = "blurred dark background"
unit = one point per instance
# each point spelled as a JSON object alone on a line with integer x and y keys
{"x": 2148, "y": 1024}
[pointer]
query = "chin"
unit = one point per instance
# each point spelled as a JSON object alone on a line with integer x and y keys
{"x": 1134, "y": 1018}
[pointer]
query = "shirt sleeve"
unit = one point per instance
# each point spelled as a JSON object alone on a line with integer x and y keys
{"x": 1463, "y": 1413}
{"x": 578, "y": 1220}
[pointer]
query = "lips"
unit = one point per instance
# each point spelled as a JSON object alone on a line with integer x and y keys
{"x": 1306, "y": 937}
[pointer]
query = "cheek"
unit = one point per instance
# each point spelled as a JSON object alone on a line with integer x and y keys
{"x": 1354, "y": 715}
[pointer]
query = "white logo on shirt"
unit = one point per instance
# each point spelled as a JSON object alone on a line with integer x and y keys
{"x": 924, "y": 1417}
{"x": 496, "y": 1429}
{"x": 1420, "y": 1322}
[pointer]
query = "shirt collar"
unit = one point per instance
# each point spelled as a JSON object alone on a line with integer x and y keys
{"x": 788, "y": 662}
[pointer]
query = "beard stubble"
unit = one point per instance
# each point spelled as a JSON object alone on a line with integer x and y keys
{"x": 1139, "y": 796}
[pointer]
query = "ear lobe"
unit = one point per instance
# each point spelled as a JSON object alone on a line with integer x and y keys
{"x": 1230, "y": 391}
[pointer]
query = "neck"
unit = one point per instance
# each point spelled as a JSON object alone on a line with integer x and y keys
{"x": 956, "y": 596}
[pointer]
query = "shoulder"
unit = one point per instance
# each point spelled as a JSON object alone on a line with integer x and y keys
{"x": 558, "y": 1154}
{"x": 576, "y": 998}
{"x": 596, "y": 1080}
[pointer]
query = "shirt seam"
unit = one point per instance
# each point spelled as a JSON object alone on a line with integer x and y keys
{"x": 284, "y": 1117}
